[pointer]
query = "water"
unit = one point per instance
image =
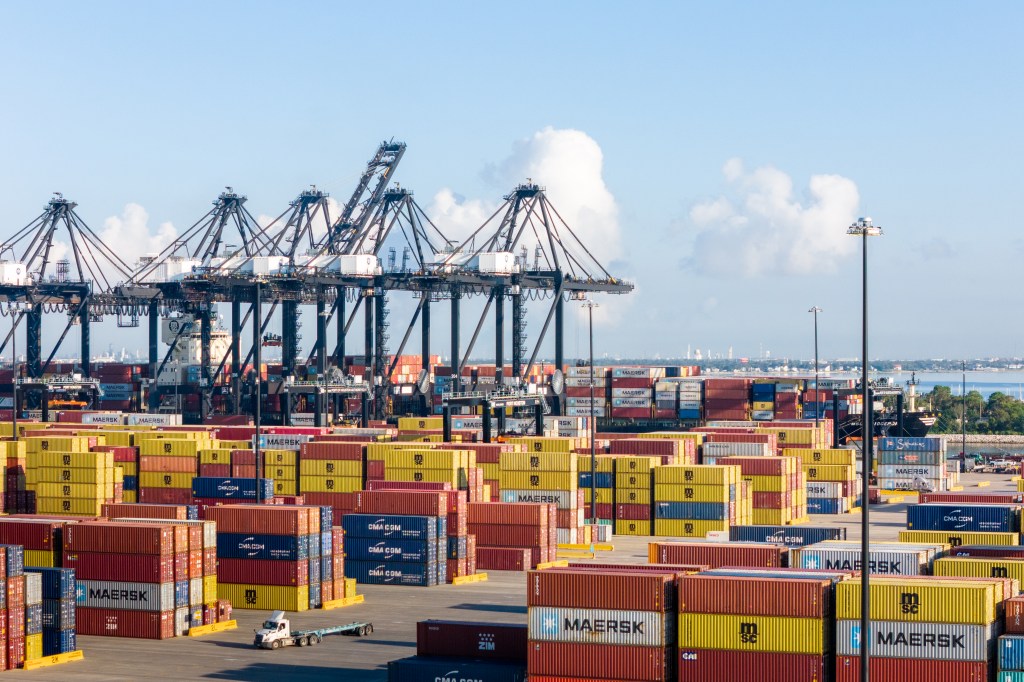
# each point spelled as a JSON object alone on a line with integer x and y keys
{"x": 1010, "y": 382}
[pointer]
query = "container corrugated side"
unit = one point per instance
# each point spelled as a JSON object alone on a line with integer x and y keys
{"x": 912, "y": 669}
{"x": 599, "y": 626}
{"x": 786, "y": 535}
{"x": 269, "y": 519}
{"x": 795, "y": 598}
{"x": 119, "y": 538}
{"x": 120, "y": 623}
{"x": 919, "y": 601}
{"x": 881, "y": 561}
{"x": 599, "y": 661}
{"x": 710, "y": 665}
{"x": 265, "y": 597}
{"x": 955, "y": 538}
{"x": 421, "y": 669}
{"x": 462, "y": 639}
{"x": 753, "y": 633}
{"x": 717, "y": 554}
{"x": 613, "y": 591}
{"x": 979, "y": 567}
{"x": 112, "y": 594}
{"x": 142, "y": 568}
{"x": 936, "y": 641}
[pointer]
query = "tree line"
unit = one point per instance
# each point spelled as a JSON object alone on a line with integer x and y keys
{"x": 1001, "y": 414}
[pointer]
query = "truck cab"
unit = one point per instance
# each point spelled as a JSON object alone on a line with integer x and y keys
{"x": 275, "y": 633}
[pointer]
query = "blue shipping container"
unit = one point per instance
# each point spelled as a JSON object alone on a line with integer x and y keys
{"x": 389, "y": 526}
{"x": 314, "y": 595}
{"x": 58, "y": 583}
{"x": 689, "y": 414}
{"x": 58, "y": 642}
{"x": 417, "y": 669}
{"x": 691, "y": 511}
{"x": 33, "y": 619}
{"x": 14, "y": 559}
{"x": 995, "y": 518}
{"x": 244, "y": 546}
{"x": 457, "y": 547}
{"x": 59, "y": 614}
{"x": 1009, "y": 676}
{"x": 824, "y": 505}
{"x": 231, "y": 488}
{"x": 131, "y": 482}
{"x": 314, "y": 542}
{"x": 181, "y": 594}
{"x": 442, "y": 572}
{"x": 314, "y": 570}
{"x": 326, "y": 544}
{"x": 326, "y": 517}
{"x": 383, "y": 573}
{"x": 326, "y": 569}
{"x": 794, "y": 536}
{"x": 910, "y": 457}
{"x": 1011, "y": 652}
{"x": 605, "y": 479}
{"x": 913, "y": 444}
{"x": 375, "y": 549}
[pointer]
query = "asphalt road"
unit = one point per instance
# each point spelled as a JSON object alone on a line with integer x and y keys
{"x": 393, "y": 611}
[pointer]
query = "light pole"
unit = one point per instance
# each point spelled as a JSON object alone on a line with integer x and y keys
{"x": 590, "y": 305}
{"x": 864, "y": 228}
{"x": 963, "y": 416}
{"x": 14, "y": 370}
{"x": 817, "y": 403}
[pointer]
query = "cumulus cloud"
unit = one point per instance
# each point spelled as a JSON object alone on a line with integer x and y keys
{"x": 130, "y": 236}
{"x": 569, "y": 164}
{"x": 762, "y": 228}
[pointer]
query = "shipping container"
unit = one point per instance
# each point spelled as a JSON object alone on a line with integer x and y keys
{"x": 121, "y": 623}
{"x": 964, "y": 518}
{"x": 610, "y": 591}
{"x": 912, "y": 670}
{"x": 129, "y": 596}
{"x": 935, "y": 641}
{"x": 710, "y": 665}
{"x": 460, "y": 639}
{"x": 418, "y": 669}
{"x": 604, "y": 662}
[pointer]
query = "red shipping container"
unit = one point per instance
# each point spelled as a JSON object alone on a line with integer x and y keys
{"x": 263, "y": 572}
{"x": 460, "y": 639}
{"x": 243, "y": 470}
{"x": 602, "y": 661}
{"x": 509, "y": 536}
{"x": 412, "y": 502}
{"x": 604, "y": 510}
{"x": 717, "y": 554}
{"x": 15, "y": 652}
{"x": 210, "y": 561}
{"x": 710, "y": 665}
{"x": 502, "y": 559}
{"x": 243, "y": 457}
{"x": 615, "y": 590}
{"x": 755, "y": 596}
{"x": 633, "y": 512}
{"x": 457, "y": 525}
{"x": 643, "y": 446}
{"x": 512, "y": 513}
{"x": 30, "y": 533}
{"x": 251, "y": 518}
{"x": 146, "y": 511}
{"x": 1014, "y": 615}
{"x": 138, "y": 568}
{"x": 327, "y": 591}
{"x": 757, "y": 466}
{"x": 165, "y": 495}
{"x": 142, "y": 538}
{"x": 181, "y": 566}
{"x": 771, "y": 500}
{"x": 337, "y": 500}
{"x": 912, "y": 670}
{"x": 215, "y": 470}
{"x": 678, "y": 569}
{"x": 631, "y": 412}
{"x": 120, "y": 623}
{"x": 569, "y": 518}
{"x": 972, "y": 498}
{"x": 332, "y": 450}
{"x": 195, "y": 563}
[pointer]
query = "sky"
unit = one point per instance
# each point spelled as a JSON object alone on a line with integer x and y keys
{"x": 712, "y": 153}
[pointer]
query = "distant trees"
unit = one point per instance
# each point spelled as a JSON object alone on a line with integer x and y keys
{"x": 1000, "y": 414}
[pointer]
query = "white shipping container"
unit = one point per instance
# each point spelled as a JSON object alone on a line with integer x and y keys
{"x": 112, "y": 594}
{"x": 688, "y": 404}
{"x": 631, "y": 402}
{"x": 467, "y": 423}
{"x": 283, "y": 441}
{"x": 937, "y": 484}
{"x": 600, "y": 626}
{"x": 181, "y": 621}
{"x": 762, "y": 415}
{"x": 567, "y": 536}
{"x": 830, "y": 489}
{"x": 737, "y": 450}
{"x": 161, "y": 419}
{"x": 309, "y": 419}
{"x": 585, "y": 411}
{"x": 584, "y": 382}
{"x": 357, "y": 264}
{"x": 497, "y": 262}
{"x": 103, "y": 418}
{"x": 880, "y": 561}
{"x": 933, "y": 641}
{"x": 580, "y": 372}
{"x": 195, "y": 592}
{"x": 631, "y": 393}
{"x": 638, "y": 372}
{"x": 33, "y": 589}
{"x": 585, "y": 402}
{"x": 564, "y": 499}
{"x": 578, "y": 423}
{"x": 911, "y": 471}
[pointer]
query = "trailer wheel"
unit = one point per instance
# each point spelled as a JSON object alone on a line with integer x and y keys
{"x": 276, "y": 644}
{"x": 303, "y": 641}
{"x": 362, "y": 631}
{"x": 369, "y": 628}
{"x": 315, "y": 639}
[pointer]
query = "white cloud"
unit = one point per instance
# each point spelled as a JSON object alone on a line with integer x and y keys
{"x": 569, "y": 164}
{"x": 130, "y": 236}
{"x": 761, "y": 228}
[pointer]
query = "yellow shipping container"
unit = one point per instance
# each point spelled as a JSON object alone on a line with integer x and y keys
{"x": 158, "y": 479}
{"x": 688, "y": 529}
{"x": 632, "y": 496}
{"x": 427, "y": 438}
{"x": 33, "y": 647}
{"x": 286, "y": 473}
{"x": 231, "y": 444}
{"x": 331, "y": 484}
{"x": 632, "y": 527}
{"x": 772, "y": 517}
{"x": 65, "y": 507}
{"x": 67, "y": 475}
{"x": 697, "y": 438}
{"x": 14, "y": 449}
{"x": 637, "y": 481}
{"x": 130, "y": 496}
{"x": 548, "y": 444}
{"x": 491, "y": 470}
{"x": 455, "y": 477}
{"x": 768, "y": 484}
{"x": 978, "y": 567}
{"x": 636, "y": 464}
{"x": 422, "y": 458}
{"x": 697, "y": 474}
{"x": 81, "y": 491}
{"x": 44, "y": 558}
{"x": 565, "y": 462}
{"x": 57, "y": 444}
{"x": 209, "y": 589}
{"x": 420, "y": 423}
{"x": 539, "y": 480}
{"x": 956, "y": 538}
{"x": 920, "y": 601}
{"x": 265, "y": 597}
{"x": 1020, "y": 485}
{"x": 118, "y": 438}
{"x": 215, "y": 456}
{"x": 330, "y": 467}
{"x": 350, "y": 587}
{"x": 75, "y": 460}
{"x": 794, "y": 436}
{"x": 829, "y": 472}
{"x": 604, "y": 495}
{"x": 824, "y": 456}
{"x": 774, "y": 634}
{"x": 128, "y": 468}
{"x": 173, "y": 447}
{"x": 605, "y": 464}
{"x": 282, "y": 487}
{"x": 673, "y": 492}
{"x": 377, "y": 450}
{"x": 283, "y": 457}
{"x": 763, "y": 405}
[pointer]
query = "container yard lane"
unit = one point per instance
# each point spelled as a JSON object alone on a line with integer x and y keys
{"x": 394, "y": 612}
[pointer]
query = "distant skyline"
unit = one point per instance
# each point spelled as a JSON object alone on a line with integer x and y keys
{"x": 714, "y": 155}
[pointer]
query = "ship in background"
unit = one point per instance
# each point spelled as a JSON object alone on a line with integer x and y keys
{"x": 886, "y": 420}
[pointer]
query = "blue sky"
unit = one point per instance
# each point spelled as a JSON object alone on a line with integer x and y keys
{"x": 727, "y": 146}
